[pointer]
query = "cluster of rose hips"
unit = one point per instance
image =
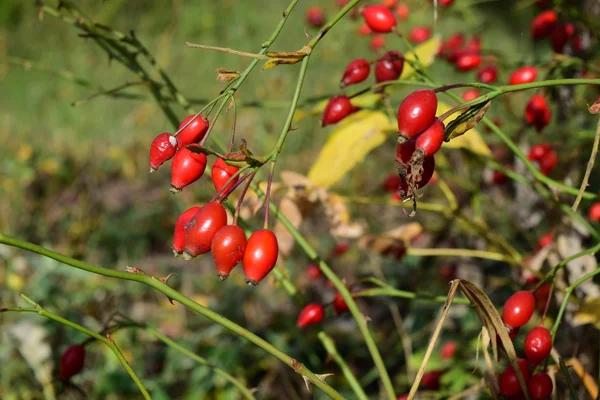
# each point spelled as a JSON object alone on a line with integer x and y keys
{"x": 204, "y": 229}
{"x": 517, "y": 312}
{"x": 561, "y": 34}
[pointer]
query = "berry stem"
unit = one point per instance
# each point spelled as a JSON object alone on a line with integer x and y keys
{"x": 238, "y": 206}
{"x": 107, "y": 341}
{"x": 460, "y": 85}
{"x": 221, "y": 195}
{"x": 547, "y": 305}
{"x": 268, "y": 194}
{"x": 588, "y": 171}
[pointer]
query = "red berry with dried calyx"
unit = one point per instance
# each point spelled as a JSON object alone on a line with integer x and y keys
{"x": 338, "y": 108}
{"x": 311, "y": 314}
{"x": 429, "y": 141}
{"x": 526, "y": 74}
{"x": 162, "y": 149}
{"x": 186, "y": 168}
{"x": 389, "y": 67}
{"x": 537, "y": 112}
{"x": 179, "y": 234}
{"x": 221, "y": 173}
{"x": 518, "y": 309}
{"x": 356, "y": 72}
{"x": 379, "y": 18}
{"x": 540, "y": 386}
{"x": 194, "y": 131}
{"x": 202, "y": 228}
{"x": 71, "y": 362}
{"x": 508, "y": 382}
{"x": 538, "y": 344}
{"x": 227, "y": 249}
{"x": 416, "y": 113}
{"x": 260, "y": 256}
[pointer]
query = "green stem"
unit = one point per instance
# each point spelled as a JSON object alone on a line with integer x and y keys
{"x": 391, "y": 292}
{"x": 175, "y": 295}
{"x": 551, "y": 274}
{"x": 332, "y": 351}
{"x": 327, "y": 27}
{"x": 565, "y": 371}
{"x": 106, "y": 340}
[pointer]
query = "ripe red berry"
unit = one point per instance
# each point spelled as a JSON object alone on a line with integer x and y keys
{"x": 379, "y": 18}
{"x": 402, "y": 11}
{"x": 392, "y": 182}
{"x": 315, "y": 17}
{"x": 163, "y": 147}
{"x": 356, "y": 72}
{"x": 488, "y": 74}
{"x": 313, "y": 313}
{"x": 431, "y": 380}
{"x": 499, "y": 178}
{"x": 561, "y": 35}
{"x": 448, "y": 350}
{"x": 451, "y": 45}
{"x": 473, "y": 45}
{"x": 509, "y": 384}
{"x": 187, "y": 167}
{"x": 539, "y": 151}
{"x": 227, "y": 249}
{"x": 518, "y": 309}
{"x": 377, "y": 42}
{"x": 537, "y": 112}
{"x": 364, "y": 30}
{"x": 416, "y": 113}
{"x": 544, "y": 156}
{"x": 538, "y": 344}
{"x": 594, "y": 212}
{"x": 179, "y": 234}
{"x": 71, "y": 362}
{"x": 194, "y": 132}
{"x": 260, "y": 255}
{"x": 545, "y": 240}
{"x": 470, "y": 94}
{"x": 221, "y": 172}
{"x": 540, "y": 386}
{"x": 468, "y": 61}
{"x": 339, "y": 304}
{"x": 419, "y": 34}
{"x": 430, "y": 141}
{"x": 543, "y": 24}
{"x": 201, "y": 229}
{"x": 338, "y": 108}
{"x": 522, "y": 75}
{"x": 314, "y": 272}
{"x": 389, "y": 67}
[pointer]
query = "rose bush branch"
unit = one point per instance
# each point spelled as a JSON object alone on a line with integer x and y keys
{"x": 107, "y": 340}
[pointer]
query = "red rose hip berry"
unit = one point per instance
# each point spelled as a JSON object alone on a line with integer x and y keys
{"x": 537, "y": 112}
{"x": 356, "y": 72}
{"x": 488, "y": 74}
{"x": 202, "y": 228}
{"x": 526, "y": 74}
{"x": 540, "y": 386}
{"x": 508, "y": 382}
{"x": 430, "y": 140}
{"x": 416, "y": 113}
{"x": 338, "y": 108}
{"x": 186, "y": 168}
{"x": 339, "y": 304}
{"x": 594, "y": 212}
{"x": 538, "y": 344}
{"x": 179, "y": 234}
{"x": 419, "y": 34}
{"x": 227, "y": 249}
{"x": 194, "y": 132}
{"x": 518, "y": 309}
{"x": 221, "y": 172}
{"x": 163, "y": 148}
{"x": 312, "y": 314}
{"x": 468, "y": 61}
{"x": 315, "y": 17}
{"x": 260, "y": 256}
{"x": 389, "y": 67}
{"x": 379, "y": 18}
{"x": 543, "y": 24}
{"x": 71, "y": 362}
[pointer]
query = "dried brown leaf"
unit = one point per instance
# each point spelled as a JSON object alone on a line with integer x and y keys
{"x": 287, "y": 207}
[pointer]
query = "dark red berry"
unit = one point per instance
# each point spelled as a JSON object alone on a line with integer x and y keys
{"x": 544, "y": 156}
{"x": 416, "y": 113}
{"x": 513, "y": 333}
{"x": 539, "y": 151}
{"x": 187, "y": 167}
{"x": 453, "y": 44}
{"x": 389, "y": 67}
{"x": 538, "y": 344}
{"x": 488, "y": 74}
{"x": 179, "y": 234}
{"x": 468, "y": 61}
{"x": 315, "y": 17}
{"x": 518, "y": 309}
{"x": 260, "y": 256}
{"x": 340, "y": 249}
{"x": 431, "y": 380}
{"x": 338, "y": 108}
{"x": 221, "y": 172}
{"x": 561, "y": 35}
{"x": 163, "y": 148}
{"x": 391, "y": 183}
{"x": 537, "y": 112}
{"x": 594, "y": 212}
{"x": 194, "y": 132}
{"x": 379, "y": 18}
{"x": 227, "y": 249}
{"x": 71, "y": 362}
{"x": 540, "y": 386}
{"x": 430, "y": 141}
{"x": 419, "y": 34}
{"x": 470, "y": 94}
{"x": 314, "y": 272}
{"x": 312, "y": 314}
{"x": 356, "y": 72}
{"x": 522, "y": 75}
{"x": 543, "y": 24}
{"x": 508, "y": 382}
{"x": 201, "y": 229}
{"x": 498, "y": 178}
{"x": 339, "y": 304}
{"x": 473, "y": 45}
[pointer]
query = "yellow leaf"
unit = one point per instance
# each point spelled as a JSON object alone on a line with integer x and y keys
{"x": 348, "y": 145}
{"x": 471, "y": 140}
{"x": 426, "y": 52}
{"x": 588, "y": 312}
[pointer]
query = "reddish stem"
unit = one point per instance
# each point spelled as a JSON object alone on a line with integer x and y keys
{"x": 241, "y": 199}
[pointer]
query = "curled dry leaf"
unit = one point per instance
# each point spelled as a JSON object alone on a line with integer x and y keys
{"x": 466, "y": 121}
{"x": 595, "y": 108}
{"x": 227, "y": 75}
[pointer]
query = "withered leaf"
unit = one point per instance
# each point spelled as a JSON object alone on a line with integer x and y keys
{"x": 227, "y": 75}
{"x": 466, "y": 121}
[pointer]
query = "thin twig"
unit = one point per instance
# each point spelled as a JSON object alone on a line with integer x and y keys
{"x": 227, "y": 50}
{"x": 588, "y": 171}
